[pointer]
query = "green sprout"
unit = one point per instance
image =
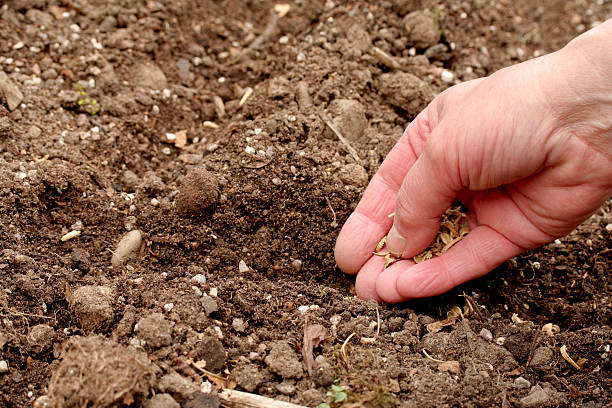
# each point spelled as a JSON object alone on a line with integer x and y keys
{"x": 89, "y": 105}
{"x": 337, "y": 395}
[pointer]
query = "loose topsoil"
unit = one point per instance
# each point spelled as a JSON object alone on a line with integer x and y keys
{"x": 200, "y": 126}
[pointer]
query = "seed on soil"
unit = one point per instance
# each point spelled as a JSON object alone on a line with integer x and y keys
{"x": 199, "y": 192}
{"x": 129, "y": 244}
{"x": 70, "y": 235}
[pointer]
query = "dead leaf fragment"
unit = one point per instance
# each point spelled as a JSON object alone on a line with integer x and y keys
{"x": 437, "y": 326}
{"x": 313, "y": 336}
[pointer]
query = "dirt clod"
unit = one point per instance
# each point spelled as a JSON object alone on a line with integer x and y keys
{"x": 354, "y": 174}
{"x": 199, "y": 192}
{"x": 421, "y": 29}
{"x": 178, "y": 386}
{"x": 40, "y": 338}
{"x": 542, "y": 357}
{"x": 155, "y": 330}
{"x": 284, "y": 361}
{"x": 248, "y": 376}
{"x": 148, "y": 75}
{"x": 349, "y": 118}
{"x": 93, "y": 307}
{"x": 405, "y": 91}
{"x": 162, "y": 401}
{"x": 211, "y": 350}
{"x": 99, "y": 373}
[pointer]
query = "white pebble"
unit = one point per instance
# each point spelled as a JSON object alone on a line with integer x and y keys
{"x": 206, "y": 387}
{"x": 283, "y": 40}
{"x": 219, "y": 332}
{"x": 500, "y": 341}
{"x": 609, "y": 227}
{"x": 196, "y": 290}
{"x": 303, "y": 309}
{"x": 213, "y": 292}
{"x": 154, "y": 202}
{"x": 249, "y": 150}
{"x": 168, "y": 307}
{"x": 3, "y": 366}
{"x": 19, "y": 45}
{"x": 242, "y": 267}
{"x": 199, "y": 278}
{"x": 447, "y": 76}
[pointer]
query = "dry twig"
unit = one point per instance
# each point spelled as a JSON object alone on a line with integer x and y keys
{"x": 239, "y": 399}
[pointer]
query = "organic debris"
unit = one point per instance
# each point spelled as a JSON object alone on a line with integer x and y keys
{"x": 95, "y": 372}
{"x": 313, "y": 336}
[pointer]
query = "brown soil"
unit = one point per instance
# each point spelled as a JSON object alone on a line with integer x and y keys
{"x": 122, "y": 100}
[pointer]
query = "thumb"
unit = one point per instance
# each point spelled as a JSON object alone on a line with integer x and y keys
{"x": 427, "y": 191}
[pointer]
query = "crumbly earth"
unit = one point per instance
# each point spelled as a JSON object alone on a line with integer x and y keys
{"x": 106, "y": 106}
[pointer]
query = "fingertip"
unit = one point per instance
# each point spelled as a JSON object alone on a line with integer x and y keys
{"x": 365, "y": 284}
{"x": 386, "y": 283}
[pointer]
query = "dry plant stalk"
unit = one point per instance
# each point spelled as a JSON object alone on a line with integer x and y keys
{"x": 453, "y": 228}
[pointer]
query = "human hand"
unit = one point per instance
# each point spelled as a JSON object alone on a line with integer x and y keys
{"x": 527, "y": 150}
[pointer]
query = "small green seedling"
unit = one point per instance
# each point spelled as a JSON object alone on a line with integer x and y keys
{"x": 337, "y": 395}
{"x": 89, "y": 105}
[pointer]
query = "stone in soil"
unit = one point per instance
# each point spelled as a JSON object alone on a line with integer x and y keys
{"x": 100, "y": 373}
{"x": 348, "y": 116}
{"x": 421, "y": 29}
{"x": 155, "y": 330}
{"x": 162, "y": 401}
{"x": 405, "y": 91}
{"x": 92, "y": 307}
{"x": 209, "y": 304}
{"x": 284, "y": 361}
{"x": 129, "y": 244}
{"x": 198, "y": 193}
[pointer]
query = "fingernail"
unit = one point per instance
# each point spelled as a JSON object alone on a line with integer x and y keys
{"x": 395, "y": 242}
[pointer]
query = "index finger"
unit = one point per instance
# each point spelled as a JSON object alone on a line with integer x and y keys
{"x": 370, "y": 221}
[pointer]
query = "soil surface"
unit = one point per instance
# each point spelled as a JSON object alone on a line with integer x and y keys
{"x": 207, "y": 131}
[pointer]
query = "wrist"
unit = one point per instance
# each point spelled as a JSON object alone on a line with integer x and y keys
{"x": 580, "y": 89}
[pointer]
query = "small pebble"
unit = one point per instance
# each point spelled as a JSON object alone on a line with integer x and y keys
{"x": 213, "y": 292}
{"x": 199, "y": 278}
{"x": 297, "y": 265}
{"x": 238, "y": 325}
{"x": 609, "y": 227}
{"x": 486, "y": 334}
{"x": 3, "y": 366}
{"x": 168, "y": 307}
{"x": 447, "y": 76}
{"x": 500, "y": 341}
{"x": 242, "y": 267}
{"x": 196, "y": 290}
{"x": 277, "y": 181}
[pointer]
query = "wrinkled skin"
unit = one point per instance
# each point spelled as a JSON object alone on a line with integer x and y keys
{"x": 527, "y": 150}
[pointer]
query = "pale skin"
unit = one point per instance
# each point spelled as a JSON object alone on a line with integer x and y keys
{"x": 527, "y": 150}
